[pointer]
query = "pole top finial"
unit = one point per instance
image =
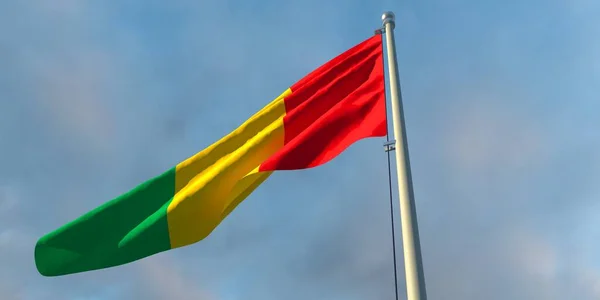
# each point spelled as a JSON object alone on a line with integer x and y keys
{"x": 388, "y": 17}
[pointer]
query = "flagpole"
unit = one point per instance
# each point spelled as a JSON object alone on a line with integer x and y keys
{"x": 413, "y": 264}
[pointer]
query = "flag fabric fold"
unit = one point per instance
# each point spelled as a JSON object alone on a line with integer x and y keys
{"x": 308, "y": 125}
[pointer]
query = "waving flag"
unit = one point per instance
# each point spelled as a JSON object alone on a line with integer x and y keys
{"x": 309, "y": 124}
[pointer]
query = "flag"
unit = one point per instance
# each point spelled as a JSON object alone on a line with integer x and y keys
{"x": 309, "y": 124}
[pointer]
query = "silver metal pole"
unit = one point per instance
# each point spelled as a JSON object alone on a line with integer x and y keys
{"x": 413, "y": 264}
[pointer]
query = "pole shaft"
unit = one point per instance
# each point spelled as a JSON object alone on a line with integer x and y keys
{"x": 413, "y": 265}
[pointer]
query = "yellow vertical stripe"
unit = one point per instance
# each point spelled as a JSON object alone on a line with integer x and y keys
{"x": 211, "y": 183}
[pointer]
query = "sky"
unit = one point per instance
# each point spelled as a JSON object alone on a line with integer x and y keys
{"x": 501, "y": 101}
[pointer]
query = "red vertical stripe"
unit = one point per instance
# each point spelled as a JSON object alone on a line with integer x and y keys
{"x": 334, "y": 106}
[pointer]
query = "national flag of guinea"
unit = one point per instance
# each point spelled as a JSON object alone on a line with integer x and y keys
{"x": 309, "y": 124}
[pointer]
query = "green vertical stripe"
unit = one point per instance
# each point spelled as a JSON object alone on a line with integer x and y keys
{"x": 127, "y": 228}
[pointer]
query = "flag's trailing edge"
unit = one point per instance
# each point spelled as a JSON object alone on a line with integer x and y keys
{"x": 309, "y": 124}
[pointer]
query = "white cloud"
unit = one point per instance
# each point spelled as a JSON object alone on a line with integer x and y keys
{"x": 74, "y": 92}
{"x": 481, "y": 134}
{"x": 13, "y": 239}
{"x": 66, "y": 82}
{"x": 590, "y": 280}
{"x": 161, "y": 278}
{"x": 531, "y": 254}
{"x": 8, "y": 199}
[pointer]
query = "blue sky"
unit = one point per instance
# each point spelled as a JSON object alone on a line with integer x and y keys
{"x": 501, "y": 100}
